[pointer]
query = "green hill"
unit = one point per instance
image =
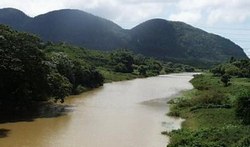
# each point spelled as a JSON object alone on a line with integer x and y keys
{"x": 180, "y": 42}
{"x": 167, "y": 40}
{"x": 32, "y": 70}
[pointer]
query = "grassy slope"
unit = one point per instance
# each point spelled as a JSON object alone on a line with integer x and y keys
{"x": 209, "y": 126}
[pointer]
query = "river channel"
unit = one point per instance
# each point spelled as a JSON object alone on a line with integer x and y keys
{"x": 119, "y": 114}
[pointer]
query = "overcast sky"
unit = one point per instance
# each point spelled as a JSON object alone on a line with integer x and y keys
{"x": 228, "y": 18}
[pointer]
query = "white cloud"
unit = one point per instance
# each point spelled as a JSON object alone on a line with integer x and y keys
{"x": 33, "y": 8}
{"x": 123, "y": 12}
{"x": 129, "y": 13}
{"x": 187, "y": 16}
{"x": 212, "y": 11}
{"x": 231, "y": 13}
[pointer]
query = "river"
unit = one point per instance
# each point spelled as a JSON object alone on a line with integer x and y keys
{"x": 120, "y": 114}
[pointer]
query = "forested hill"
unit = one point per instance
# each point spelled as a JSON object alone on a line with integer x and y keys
{"x": 13, "y": 17}
{"x": 181, "y": 42}
{"x": 32, "y": 70}
{"x": 168, "y": 40}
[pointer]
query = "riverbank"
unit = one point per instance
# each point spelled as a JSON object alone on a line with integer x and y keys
{"x": 209, "y": 113}
{"x": 107, "y": 114}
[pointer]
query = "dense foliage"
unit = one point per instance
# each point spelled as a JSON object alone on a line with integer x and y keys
{"x": 243, "y": 107}
{"x": 239, "y": 68}
{"x": 168, "y": 40}
{"x": 122, "y": 61}
{"x": 28, "y": 74}
{"x": 23, "y": 69}
{"x": 77, "y": 74}
{"x": 216, "y": 116}
{"x": 32, "y": 71}
{"x": 225, "y": 136}
{"x": 35, "y": 71}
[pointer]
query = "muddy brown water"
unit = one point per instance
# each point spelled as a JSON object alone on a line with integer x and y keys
{"x": 120, "y": 114}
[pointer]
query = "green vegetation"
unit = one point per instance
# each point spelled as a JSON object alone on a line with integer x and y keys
{"x": 33, "y": 71}
{"x": 166, "y": 40}
{"x": 29, "y": 74}
{"x": 243, "y": 107}
{"x": 217, "y": 115}
{"x": 117, "y": 65}
{"x": 22, "y": 68}
{"x": 238, "y": 68}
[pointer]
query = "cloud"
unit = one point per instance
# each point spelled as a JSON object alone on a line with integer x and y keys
{"x": 187, "y": 16}
{"x": 33, "y": 8}
{"x": 127, "y": 12}
{"x": 130, "y": 12}
{"x": 212, "y": 11}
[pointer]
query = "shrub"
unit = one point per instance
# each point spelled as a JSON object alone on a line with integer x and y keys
{"x": 199, "y": 82}
{"x": 210, "y": 97}
{"x": 225, "y": 79}
{"x": 243, "y": 142}
{"x": 243, "y": 107}
{"x": 210, "y": 137}
{"x": 79, "y": 89}
{"x": 175, "y": 111}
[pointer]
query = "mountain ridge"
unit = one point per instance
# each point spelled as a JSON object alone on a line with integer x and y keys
{"x": 167, "y": 40}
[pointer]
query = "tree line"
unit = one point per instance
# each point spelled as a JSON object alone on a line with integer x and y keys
{"x": 32, "y": 70}
{"x": 28, "y": 74}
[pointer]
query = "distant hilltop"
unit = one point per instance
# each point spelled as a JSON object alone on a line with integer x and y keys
{"x": 167, "y": 40}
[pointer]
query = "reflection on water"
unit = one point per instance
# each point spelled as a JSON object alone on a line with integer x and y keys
{"x": 120, "y": 114}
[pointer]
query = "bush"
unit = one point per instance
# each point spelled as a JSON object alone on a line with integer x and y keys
{"x": 79, "y": 89}
{"x": 199, "y": 82}
{"x": 243, "y": 107}
{"x": 122, "y": 60}
{"x": 199, "y": 138}
{"x": 169, "y": 70}
{"x": 225, "y": 79}
{"x": 183, "y": 102}
{"x": 243, "y": 142}
{"x": 59, "y": 85}
{"x": 175, "y": 112}
{"x": 210, "y": 137}
{"x": 210, "y": 97}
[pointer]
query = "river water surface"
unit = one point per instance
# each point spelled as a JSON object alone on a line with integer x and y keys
{"x": 120, "y": 114}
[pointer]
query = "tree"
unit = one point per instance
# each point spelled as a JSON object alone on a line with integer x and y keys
{"x": 78, "y": 74}
{"x": 232, "y": 59}
{"x": 23, "y": 69}
{"x": 226, "y": 79}
{"x": 155, "y": 67}
{"x": 59, "y": 85}
{"x": 122, "y": 61}
{"x": 218, "y": 70}
{"x": 142, "y": 69}
{"x": 64, "y": 66}
{"x": 243, "y": 107}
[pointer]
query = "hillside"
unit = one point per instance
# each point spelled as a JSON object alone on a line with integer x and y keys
{"x": 14, "y": 18}
{"x": 78, "y": 28}
{"x": 32, "y": 70}
{"x": 167, "y": 40}
{"x": 180, "y": 42}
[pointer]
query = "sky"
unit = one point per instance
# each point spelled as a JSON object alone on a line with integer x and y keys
{"x": 228, "y": 18}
